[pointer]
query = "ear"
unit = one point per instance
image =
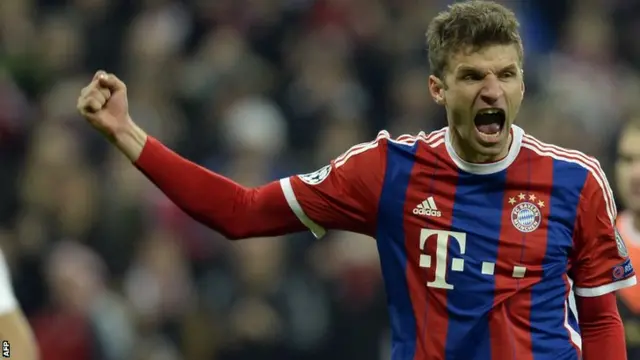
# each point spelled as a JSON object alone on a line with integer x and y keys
{"x": 522, "y": 87}
{"x": 436, "y": 88}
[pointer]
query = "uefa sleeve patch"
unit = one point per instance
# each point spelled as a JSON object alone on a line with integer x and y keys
{"x": 622, "y": 271}
{"x": 317, "y": 176}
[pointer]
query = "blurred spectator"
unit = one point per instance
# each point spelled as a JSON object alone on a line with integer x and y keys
{"x": 85, "y": 319}
{"x": 256, "y": 90}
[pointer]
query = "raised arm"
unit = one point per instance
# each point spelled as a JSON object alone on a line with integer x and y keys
{"x": 342, "y": 195}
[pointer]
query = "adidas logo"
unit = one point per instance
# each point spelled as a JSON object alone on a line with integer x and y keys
{"x": 427, "y": 208}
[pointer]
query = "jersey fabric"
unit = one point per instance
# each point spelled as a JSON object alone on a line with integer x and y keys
{"x": 629, "y": 298}
{"x": 479, "y": 260}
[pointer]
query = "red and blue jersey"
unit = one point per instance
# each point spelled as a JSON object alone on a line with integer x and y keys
{"x": 480, "y": 261}
{"x": 629, "y": 298}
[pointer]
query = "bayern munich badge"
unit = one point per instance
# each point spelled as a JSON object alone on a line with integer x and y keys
{"x": 525, "y": 215}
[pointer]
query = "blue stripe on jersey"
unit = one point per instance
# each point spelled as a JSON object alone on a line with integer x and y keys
{"x": 549, "y": 335}
{"x": 477, "y": 211}
{"x": 573, "y": 320}
{"x": 393, "y": 257}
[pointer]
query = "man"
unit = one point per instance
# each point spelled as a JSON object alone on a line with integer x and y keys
{"x": 16, "y": 337}
{"x": 628, "y": 224}
{"x": 481, "y": 229}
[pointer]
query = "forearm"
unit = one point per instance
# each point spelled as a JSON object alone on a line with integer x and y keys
{"x": 15, "y": 329}
{"x": 219, "y": 203}
{"x": 131, "y": 141}
{"x": 601, "y": 328}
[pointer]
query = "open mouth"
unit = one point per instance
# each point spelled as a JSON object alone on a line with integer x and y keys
{"x": 490, "y": 122}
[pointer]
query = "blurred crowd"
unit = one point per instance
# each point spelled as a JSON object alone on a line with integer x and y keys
{"x": 107, "y": 269}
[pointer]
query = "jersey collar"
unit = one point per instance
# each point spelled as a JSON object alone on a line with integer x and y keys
{"x": 489, "y": 168}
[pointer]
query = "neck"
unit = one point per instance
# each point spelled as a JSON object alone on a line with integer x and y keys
{"x": 466, "y": 153}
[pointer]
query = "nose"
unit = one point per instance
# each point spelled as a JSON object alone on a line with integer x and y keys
{"x": 492, "y": 90}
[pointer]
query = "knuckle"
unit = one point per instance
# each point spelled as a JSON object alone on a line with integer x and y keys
{"x": 95, "y": 95}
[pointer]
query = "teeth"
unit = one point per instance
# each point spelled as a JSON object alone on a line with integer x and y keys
{"x": 489, "y": 111}
{"x": 491, "y": 136}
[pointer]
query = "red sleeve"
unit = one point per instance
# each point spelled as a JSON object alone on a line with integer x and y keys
{"x": 600, "y": 262}
{"x": 344, "y": 194}
{"x": 217, "y": 202}
{"x": 601, "y": 328}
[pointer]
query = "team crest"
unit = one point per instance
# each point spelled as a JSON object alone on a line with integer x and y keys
{"x": 525, "y": 215}
{"x": 317, "y": 176}
{"x": 622, "y": 248}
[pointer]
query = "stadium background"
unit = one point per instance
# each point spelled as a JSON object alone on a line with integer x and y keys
{"x": 107, "y": 269}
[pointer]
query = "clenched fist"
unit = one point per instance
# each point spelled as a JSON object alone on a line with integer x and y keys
{"x": 104, "y": 104}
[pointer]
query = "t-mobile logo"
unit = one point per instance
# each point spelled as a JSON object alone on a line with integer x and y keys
{"x": 442, "y": 243}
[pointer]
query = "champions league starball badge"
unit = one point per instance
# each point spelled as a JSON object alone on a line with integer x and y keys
{"x": 622, "y": 248}
{"x": 317, "y": 176}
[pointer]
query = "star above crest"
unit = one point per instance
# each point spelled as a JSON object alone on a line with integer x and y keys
{"x": 526, "y": 197}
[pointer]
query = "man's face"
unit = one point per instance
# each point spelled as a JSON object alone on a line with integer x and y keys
{"x": 628, "y": 169}
{"x": 482, "y": 92}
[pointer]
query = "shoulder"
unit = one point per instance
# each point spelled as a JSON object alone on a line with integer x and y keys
{"x": 573, "y": 164}
{"x": 384, "y": 141}
{"x": 432, "y": 139}
{"x": 563, "y": 157}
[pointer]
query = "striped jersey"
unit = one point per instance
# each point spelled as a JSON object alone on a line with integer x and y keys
{"x": 629, "y": 298}
{"x": 480, "y": 261}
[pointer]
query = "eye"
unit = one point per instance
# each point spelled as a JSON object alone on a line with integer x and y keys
{"x": 471, "y": 77}
{"x": 625, "y": 159}
{"x": 507, "y": 74}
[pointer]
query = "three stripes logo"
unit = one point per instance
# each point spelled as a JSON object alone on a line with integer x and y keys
{"x": 427, "y": 208}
